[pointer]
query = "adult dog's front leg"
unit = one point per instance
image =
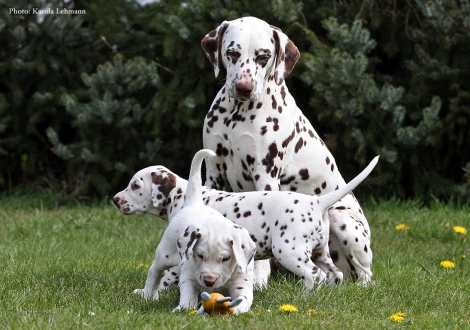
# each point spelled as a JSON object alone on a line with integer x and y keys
{"x": 215, "y": 175}
{"x": 346, "y": 225}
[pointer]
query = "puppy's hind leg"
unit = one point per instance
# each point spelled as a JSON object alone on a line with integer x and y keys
{"x": 321, "y": 257}
{"x": 170, "y": 279}
{"x": 303, "y": 266}
{"x": 162, "y": 262}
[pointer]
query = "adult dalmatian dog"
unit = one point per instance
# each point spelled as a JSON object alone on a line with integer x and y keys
{"x": 292, "y": 227}
{"x": 213, "y": 253}
{"x": 264, "y": 142}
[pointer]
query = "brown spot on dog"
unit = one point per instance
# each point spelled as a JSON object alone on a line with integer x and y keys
{"x": 304, "y": 174}
{"x": 165, "y": 183}
{"x": 268, "y": 161}
{"x": 299, "y": 145}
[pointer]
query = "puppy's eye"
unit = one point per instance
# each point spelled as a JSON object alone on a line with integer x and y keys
{"x": 226, "y": 259}
{"x": 135, "y": 186}
{"x": 200, "y": 256}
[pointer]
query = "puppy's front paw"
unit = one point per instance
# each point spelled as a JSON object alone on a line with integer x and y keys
{"x": 178, "y": 309}
{"x": 146, "y": 295}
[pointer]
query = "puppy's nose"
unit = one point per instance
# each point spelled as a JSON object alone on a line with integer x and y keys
{"x": 209, "y": 282}
{"x": 244, "y": 88}
{"x": 116, "y": 202}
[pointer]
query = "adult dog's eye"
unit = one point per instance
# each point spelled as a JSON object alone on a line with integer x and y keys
{"x": 234, "y": 55}
{"x": 226, "y": 259}
{"x": 262, "y": 59}
{"x": 200, "y": 256}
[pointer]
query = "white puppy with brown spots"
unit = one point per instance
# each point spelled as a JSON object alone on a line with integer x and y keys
{"x": 213, "y": 253}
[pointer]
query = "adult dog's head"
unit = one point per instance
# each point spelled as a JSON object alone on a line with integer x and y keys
{"x": 253, "y": 52}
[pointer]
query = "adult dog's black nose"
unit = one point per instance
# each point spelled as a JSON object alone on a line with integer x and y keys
{"x": 244, "y": 89}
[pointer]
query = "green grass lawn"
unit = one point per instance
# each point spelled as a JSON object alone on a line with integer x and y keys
{"x": 76, "y": 267}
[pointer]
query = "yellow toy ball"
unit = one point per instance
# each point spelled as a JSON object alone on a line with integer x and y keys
{"x": 217, "y": 303}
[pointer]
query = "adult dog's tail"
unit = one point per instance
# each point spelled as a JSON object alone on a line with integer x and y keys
{"x": 327, "y": 200}
{"x": 194, "y": 189}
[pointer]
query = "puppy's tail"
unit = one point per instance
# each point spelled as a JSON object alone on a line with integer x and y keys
{"x": 194, "y": 189}
{"x": 327, "y": 200}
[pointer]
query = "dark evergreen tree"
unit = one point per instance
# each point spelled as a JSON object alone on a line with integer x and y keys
{"x": 40, "y": 58}
{"x": 367, "y": 118}
{"x": 114, "y": 128}
{"x": 419, "y": 61}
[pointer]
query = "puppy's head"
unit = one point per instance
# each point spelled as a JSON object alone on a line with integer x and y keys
{"x": 253, "y": 52}
{"x": 147, "y": 192}
{"x": 217, "y": 252}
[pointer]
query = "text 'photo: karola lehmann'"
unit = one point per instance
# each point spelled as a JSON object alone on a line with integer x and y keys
{"x": 46, "y": 11}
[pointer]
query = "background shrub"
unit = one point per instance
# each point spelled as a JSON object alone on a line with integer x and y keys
{"x": 87, "y": 100}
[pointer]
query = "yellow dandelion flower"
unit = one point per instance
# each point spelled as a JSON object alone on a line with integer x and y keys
{"x": 464, "y": 256}
{"x": 460, "y": 230}
{"x": 447, "y": 264}
{"x": 144, "y": 266}
{"x": 402, "y": 226}
{"x": 397, "y": 317}
{"x": 194, "y": 311}
{"x": 287, "y": 308}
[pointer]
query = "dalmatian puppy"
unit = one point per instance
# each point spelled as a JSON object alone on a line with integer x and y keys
{"x": 290, "y": 226}
{"x": 212, "y": 252}
{"x": 264, "y": 142}
{"x": 152, "y": 190}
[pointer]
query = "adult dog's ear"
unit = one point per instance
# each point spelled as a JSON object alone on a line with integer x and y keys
{"x": 186, "y": 242}
{"x": 243, "y": 247}
{"x": 162, "y": 185}
{"x": 212, "y": 45}
{"x": 287, "y": 55}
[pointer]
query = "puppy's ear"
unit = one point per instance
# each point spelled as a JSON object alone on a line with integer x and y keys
{"x": 162, "y": 185}
{"x": 243, "y": 247}
{"x": 287, "y": 55}
{"x": 212, "y": 46}
{"x": 186, "y": 242}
